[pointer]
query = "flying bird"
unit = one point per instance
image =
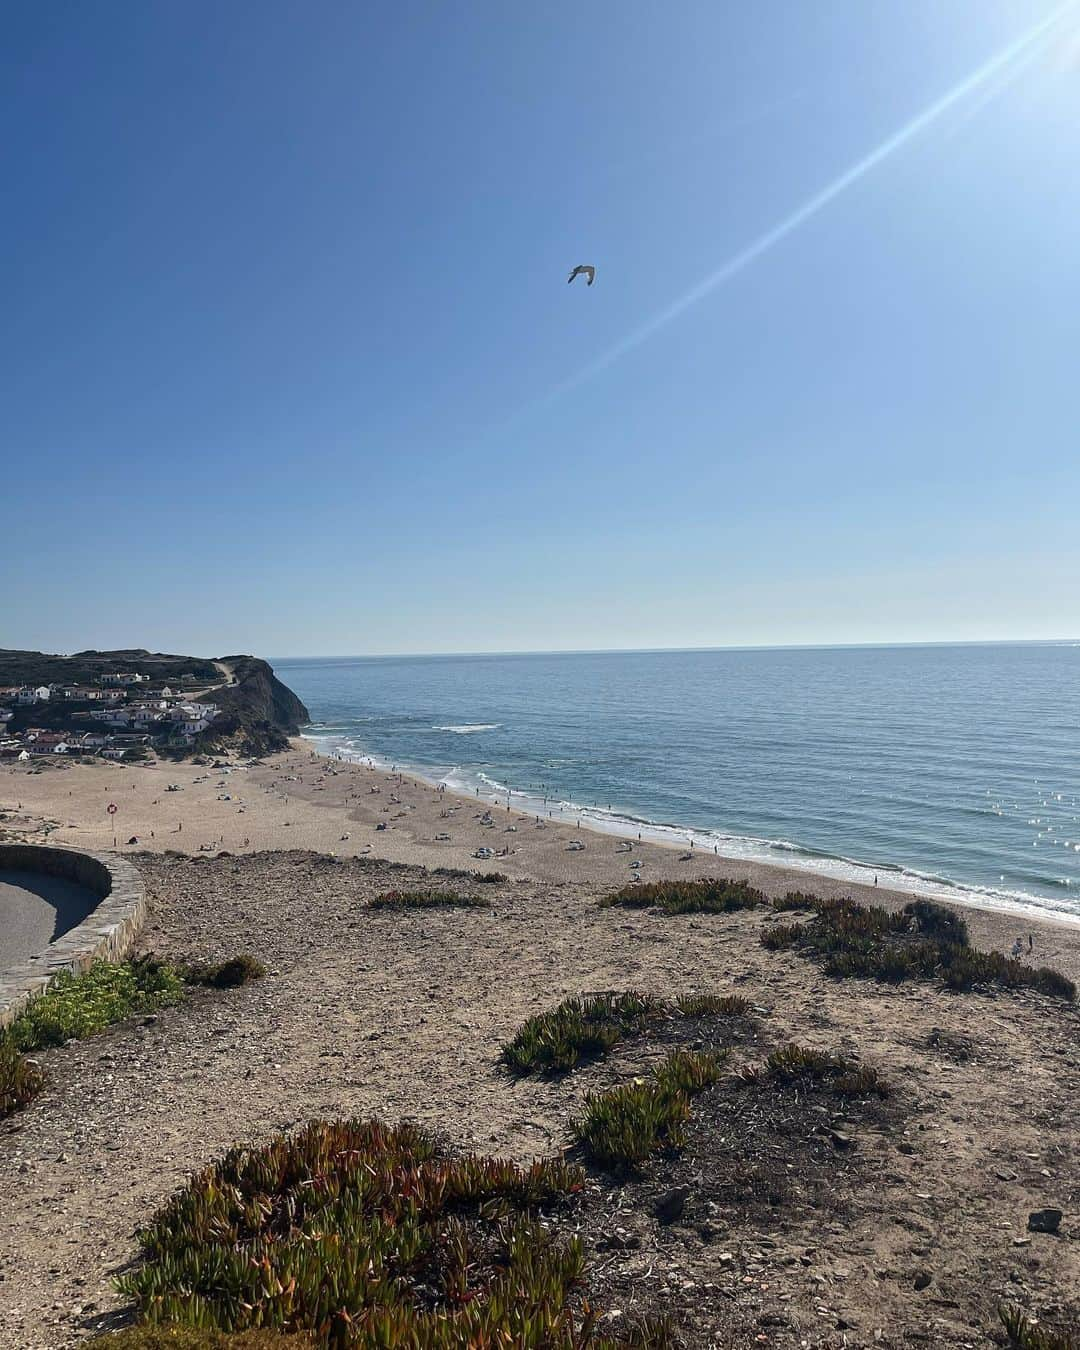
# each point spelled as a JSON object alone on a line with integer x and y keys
{"x": 582, "y": 269}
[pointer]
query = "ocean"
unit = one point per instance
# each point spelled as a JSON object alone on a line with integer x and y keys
{"x": 948, "y": 770}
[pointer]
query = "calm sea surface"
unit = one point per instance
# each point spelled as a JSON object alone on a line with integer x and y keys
{"x": 936, "y": 767}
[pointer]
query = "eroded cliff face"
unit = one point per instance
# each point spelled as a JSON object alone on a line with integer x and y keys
{"x": 258, "y": 712}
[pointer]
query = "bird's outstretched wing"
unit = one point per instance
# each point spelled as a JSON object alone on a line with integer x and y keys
{"x": 583, "y": 269}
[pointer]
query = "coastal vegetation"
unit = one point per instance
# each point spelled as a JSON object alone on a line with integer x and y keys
{"x": 590, "y": 1027}
{"x": 621, "y": 1128}
{"x": 76, "y": 1006}
{"x": 800, "y": 1065}
{"x": 427, "y": 899}
{"x": 361, "y": 1233}
{"x": 20, "y": 1080}
{"x": 230, "y": 974}
{"x": 192, "y": 1338}
{"x": 578, "y": 1029}
{"x": 470, "y": 874}
{"x": 1025, "y": 1334}
{"x": 923, "y": 940}
{"x": 710, "y": 895}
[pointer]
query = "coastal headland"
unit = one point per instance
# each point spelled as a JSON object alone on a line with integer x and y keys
{"x": 904, "y": 1226}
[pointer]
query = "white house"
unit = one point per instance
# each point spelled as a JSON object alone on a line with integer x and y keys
{"x": 123, "y": 679}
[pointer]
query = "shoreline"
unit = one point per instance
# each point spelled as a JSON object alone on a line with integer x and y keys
{"x": 299, "y": 800}
{"x": 823, "y": 869}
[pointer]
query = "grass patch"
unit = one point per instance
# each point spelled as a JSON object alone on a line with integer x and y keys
{"x": 1024, "y": 1334}
{"x": 708, "y": 896}
{"x": 796, "y": 1064}
{"x": 923, "y": 940}
{"x": 237, "y": 970}
{"x": 76, "y": 1006}
{"x": 369, "y": 1235}
{"x": 430, "y": 899}
{"x": 20, "y": 1082}
{"x": 578, "y": 1029}
{"x": 620, "y": 1129}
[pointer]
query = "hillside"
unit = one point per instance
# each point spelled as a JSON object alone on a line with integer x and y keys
{"x": 257, "y": 712}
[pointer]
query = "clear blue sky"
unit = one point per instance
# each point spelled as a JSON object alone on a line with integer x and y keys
{"x": 290, "y": 365}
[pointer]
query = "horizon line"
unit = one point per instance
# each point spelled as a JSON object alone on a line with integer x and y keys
{"x": 650, "y": 651}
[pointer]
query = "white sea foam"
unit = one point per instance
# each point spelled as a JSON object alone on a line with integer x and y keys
{"x": 739, "y": 848}
{"x": 468, "y": 728}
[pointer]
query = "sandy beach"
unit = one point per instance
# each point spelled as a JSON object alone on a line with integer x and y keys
{"x": 299, "y": 799}
{"x": 913, "y": 1234}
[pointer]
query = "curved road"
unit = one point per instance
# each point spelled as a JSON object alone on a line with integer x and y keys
{"x": 34, "y": 910}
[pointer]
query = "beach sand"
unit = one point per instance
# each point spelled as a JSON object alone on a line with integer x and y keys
{"x": 298, "y": 799}
{"x": 916, "y": 1231}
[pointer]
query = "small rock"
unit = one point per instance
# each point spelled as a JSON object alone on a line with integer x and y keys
{"x": 840, "y": 1139}
{"x": 905, "y": 1147}
{"x": 1044, "y": 1220}
{"x": 671, "y": 1207}
{"x": 923, "y": 1279}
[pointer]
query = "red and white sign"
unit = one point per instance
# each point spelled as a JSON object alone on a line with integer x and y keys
{"x": 111, "y": 808}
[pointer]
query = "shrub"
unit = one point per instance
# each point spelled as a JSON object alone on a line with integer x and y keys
{"x": 798, "y": 1064}
{"x": 579, "y": 1028}
{"x": 619, "y": 1129}
{"x": 431, "y": 899}
{"x": 922, "y": 941}
{"x": 20, "y": 1081}
{"x": 365, "y": 1234}
{"x": 795, "y": 900}
{"x": 937, "y": 922}
{"x": 228, "y": 974}
{"x": 75, "y": 1006}
{"x": 713, "y": 1005}
{"x": 780, "y": 936}
{"x": 707, "y": 896}
{"x": 1027, "y": 1335}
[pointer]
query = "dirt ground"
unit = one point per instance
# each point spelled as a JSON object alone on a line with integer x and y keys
{"x": 911, "y": 1232}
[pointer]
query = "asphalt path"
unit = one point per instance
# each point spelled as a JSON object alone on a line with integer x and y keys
{"x": 35, "y": 910}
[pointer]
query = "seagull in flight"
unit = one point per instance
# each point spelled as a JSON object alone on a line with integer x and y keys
{"x": 582, "y": 269}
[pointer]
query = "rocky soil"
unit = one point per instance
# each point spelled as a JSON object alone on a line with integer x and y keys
{"x": 910, "y": 1228}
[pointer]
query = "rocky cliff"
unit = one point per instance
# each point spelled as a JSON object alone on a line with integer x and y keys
{"x": 259, "y": 713}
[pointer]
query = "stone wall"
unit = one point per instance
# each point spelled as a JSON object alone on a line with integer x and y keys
{"x": 107, "y": 932}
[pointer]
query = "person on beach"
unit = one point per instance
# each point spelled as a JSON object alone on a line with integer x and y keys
{"x": 1017, "y": 949}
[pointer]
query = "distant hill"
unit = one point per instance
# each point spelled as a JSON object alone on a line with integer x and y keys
{"x": 258, "y": 712}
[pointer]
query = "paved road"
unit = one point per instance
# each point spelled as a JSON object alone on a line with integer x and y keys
{"x": 35, "y": 909}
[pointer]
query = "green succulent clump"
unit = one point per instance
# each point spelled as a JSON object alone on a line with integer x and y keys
{"x": 363, "y": 1234}
{"x": 713, "y": 1005}
{"x": 708, "y": 896}
{"x": 578, "y": 1029}
{"x": 923, "y": 940}
{"x": 621, "y": 1128}
{"x": 76, "y": 1006}
{"x": 191, "y": 1338}
{"x": 799, "y": 1064}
